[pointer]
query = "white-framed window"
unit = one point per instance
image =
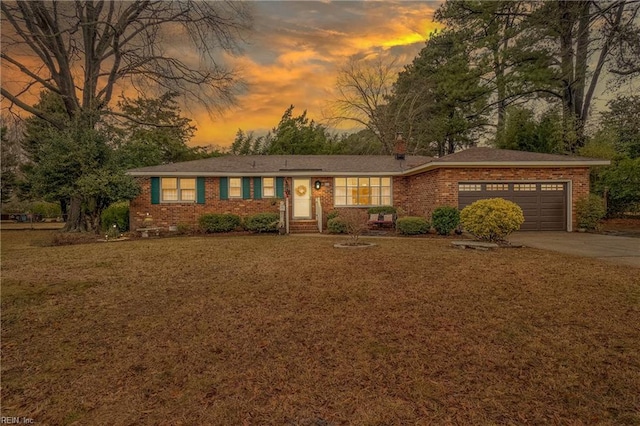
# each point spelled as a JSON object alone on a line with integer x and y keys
{"x": 268, "y": 187}
{"x": 362, "y": 191}
{"x": 235, "y": 187}
{"x": 552, "y": 187}
{"x": 525, "y": 187}
{"x": 469, "y": 187}
{"x": 178, "y": 189}
{"x": 497, "y": 187}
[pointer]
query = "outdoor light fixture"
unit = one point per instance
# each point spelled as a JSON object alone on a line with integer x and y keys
{"x": 317, "y": 184}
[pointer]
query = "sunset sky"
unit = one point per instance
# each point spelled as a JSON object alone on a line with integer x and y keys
{"x": 296, "y": 50}
{"x": 292, "y": 58}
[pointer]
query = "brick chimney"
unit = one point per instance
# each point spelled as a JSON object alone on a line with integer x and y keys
{"x": 399, "y": 147}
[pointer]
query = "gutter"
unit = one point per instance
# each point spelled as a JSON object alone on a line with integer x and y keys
{"x": 267, "y": 174}
{"x": 503, "y": 165}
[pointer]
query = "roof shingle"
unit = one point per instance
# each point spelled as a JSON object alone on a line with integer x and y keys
{"x": 332, "y": 165}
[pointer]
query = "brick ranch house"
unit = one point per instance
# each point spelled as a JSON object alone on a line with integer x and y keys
{"x": 546, "y": 186}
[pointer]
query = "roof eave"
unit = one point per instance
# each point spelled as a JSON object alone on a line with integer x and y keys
{"x": 259, "y": 174}
{"x": 506, "y": 165}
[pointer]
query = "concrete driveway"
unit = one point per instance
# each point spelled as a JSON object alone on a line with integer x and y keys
{"x": 617, "y": 249}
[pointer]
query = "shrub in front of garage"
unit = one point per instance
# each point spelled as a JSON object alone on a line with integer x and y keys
{"x": 492, "y": 219}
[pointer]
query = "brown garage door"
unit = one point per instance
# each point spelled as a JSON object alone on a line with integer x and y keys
{"x": 544, "y": 204}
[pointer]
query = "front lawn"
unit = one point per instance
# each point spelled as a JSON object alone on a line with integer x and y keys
{"x": 291, "y": 331}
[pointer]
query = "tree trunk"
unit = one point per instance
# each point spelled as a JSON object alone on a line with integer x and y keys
{"x": 75, "y": 218}
{"x": 63, "y": 209}
{"x": 565, "y": 28}
{"x": 502, "y": 102}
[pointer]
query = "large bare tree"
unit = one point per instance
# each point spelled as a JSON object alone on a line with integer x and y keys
{"x": 362, "y": 90}
{"x": 86, "y": 50}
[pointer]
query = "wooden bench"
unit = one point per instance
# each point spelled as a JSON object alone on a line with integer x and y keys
{"x": 144, "y": 232}
{"x": 382, "y": 220}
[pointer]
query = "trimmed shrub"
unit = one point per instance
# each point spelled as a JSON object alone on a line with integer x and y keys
{"x": 382, "y": 210}
{"x": 445, "y": 219}
{"x": 262, "y": 222}
{"x": 589, "y": 211}
{"x": 116, "y": 214}
{"x": 336, "y": 226}
{"x": 217, "y": 222}
{"x": 412, "y": 225}
{"x": 332, "y": 214}
{"x": 183, "y": 228}
{"x": 492, "y": 219}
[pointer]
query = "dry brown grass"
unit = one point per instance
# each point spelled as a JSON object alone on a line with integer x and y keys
{"x": 290, "y": 331}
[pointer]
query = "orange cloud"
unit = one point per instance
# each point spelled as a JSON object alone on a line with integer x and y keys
{"x": 298, "y": 51}
{"x": 294, "y": 55}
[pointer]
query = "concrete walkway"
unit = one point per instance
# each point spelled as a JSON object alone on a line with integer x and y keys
{"x": 621, "y": 250}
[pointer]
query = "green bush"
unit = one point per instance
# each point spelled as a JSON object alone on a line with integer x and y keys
{"x": 262, "y": 222}
{"x": 116, "y": 214}
{"x": 46, "y": 210}
{"x": 336, "y": 226}
{"x": 622, "y": 183}
{"x": 445, "y": 219}
{"x": 492, "y": 219}
{"x": 412, "y": 225}
{"x": 332, "y": 214}
{"x": 219, "y": 222}
{"x": 589, "y": 211}
{"x": 183, "y": 228}
{"x": 382, "y": 210}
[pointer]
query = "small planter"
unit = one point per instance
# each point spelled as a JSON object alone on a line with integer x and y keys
{"x": 147, "y": 222}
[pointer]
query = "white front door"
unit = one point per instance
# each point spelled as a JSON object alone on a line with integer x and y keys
{"x": 301, "y": 198}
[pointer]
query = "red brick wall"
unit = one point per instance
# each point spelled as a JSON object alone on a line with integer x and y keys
{"x": 168, "y": 214}
{"x": 440, "y": 187}
{"x": 417, "y": 195}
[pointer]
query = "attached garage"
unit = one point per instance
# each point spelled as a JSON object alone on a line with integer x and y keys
{"x": 544, "y": 204}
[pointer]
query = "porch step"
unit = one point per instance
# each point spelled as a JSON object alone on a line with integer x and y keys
{"x": 303, "y": 226}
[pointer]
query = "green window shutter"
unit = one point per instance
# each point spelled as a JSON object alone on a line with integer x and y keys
{"x": 200, "y": 190}
{"x": 257, "y": 188}
{"x": 155, "y": 190}
{"x": 246, "y": 188}
{"x": 224, "y": 188}
{"x": 280, "y": 187}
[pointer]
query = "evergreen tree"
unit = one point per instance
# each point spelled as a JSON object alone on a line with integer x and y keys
{"x": 441, "y": 96}
{"x": 154, "y": 132}
{"x": 9, "y": 165}
{"x": 523, "y": 132}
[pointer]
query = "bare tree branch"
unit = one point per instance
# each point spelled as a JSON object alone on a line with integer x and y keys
{"x": 363, "y": 87}
{"x": 90, "y": 47}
